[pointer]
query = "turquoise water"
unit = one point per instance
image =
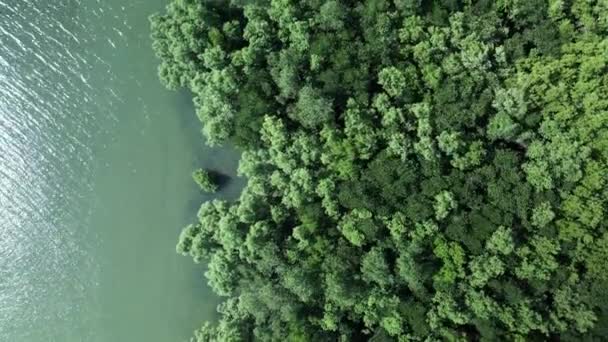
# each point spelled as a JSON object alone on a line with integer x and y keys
{"x": 95, "y": 163}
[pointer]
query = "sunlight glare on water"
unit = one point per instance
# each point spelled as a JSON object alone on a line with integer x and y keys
{"x": 47, "y": 123}
{"x": 95, "y": 163}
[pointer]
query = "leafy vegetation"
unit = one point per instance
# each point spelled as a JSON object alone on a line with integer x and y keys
{"x": 205, "y": 180}
{"x": 417, "y": 169}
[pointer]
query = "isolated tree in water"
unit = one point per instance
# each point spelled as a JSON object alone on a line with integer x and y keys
{"x": 205, "y": 180}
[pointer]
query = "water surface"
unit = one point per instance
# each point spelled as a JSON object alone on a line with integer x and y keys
{"x": 95, "y": 163}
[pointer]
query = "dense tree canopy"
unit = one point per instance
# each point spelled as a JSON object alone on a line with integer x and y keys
{"x": 417, "y": 169}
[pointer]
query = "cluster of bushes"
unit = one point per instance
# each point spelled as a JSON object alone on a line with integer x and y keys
{"x": 418, "y": 170}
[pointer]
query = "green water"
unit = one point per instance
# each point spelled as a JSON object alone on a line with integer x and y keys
{"x": 95, "y": 163}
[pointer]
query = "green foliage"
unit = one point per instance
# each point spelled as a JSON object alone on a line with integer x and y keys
{"x": 444, "y": 202}
{"x": 358, "y": 226}
{"x": 417, "y": 170}
{"x": 205, "y": 180}
{"x": 311, "y": 110}
{"x": 542, "y": 215}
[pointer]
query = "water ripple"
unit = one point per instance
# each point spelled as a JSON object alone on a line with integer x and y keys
{"x": 49, "y": 120}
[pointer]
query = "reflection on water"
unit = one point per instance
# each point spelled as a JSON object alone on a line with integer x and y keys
{"x": 47, "y": 121}
{"x": 94, "y": 178}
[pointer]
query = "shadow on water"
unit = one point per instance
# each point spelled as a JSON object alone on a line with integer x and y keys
{"x": 220, "y": 179}
{"x": 221, "y": 161}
